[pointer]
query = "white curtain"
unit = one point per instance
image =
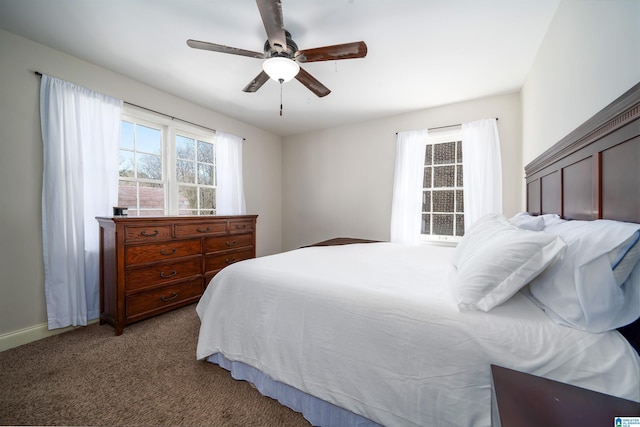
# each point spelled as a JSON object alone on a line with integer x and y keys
{"x": 482, "y": 165}
{"x": 230, "y": 191}
{"x": 80, "y": 135}
{"x": 406, "y": 208}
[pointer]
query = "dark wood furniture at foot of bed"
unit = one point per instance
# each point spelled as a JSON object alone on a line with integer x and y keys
{"x": 593, "y": 173}
{"x": 341, "y": 241}
{"x": 150, "y": 265}
{"x": 524, "y": 400}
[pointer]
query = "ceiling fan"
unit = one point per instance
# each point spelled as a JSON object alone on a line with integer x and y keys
{"x": 282, "y": 54}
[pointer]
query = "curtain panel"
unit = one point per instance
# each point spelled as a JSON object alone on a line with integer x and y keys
{"x": 482, "y": 178}
{"x": 406, "y": 208}
{"x": 482, "y": 166}
{"x": 230, "y": 189}
{"x": 80, "y": 135}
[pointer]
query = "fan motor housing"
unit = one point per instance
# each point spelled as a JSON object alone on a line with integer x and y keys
{"x": 289, "y": 52}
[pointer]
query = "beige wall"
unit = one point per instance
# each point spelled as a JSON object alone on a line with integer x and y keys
{"x": 339, "y": 182}
{"x": 22, "y": 303}
{"x": 589, "y": 56}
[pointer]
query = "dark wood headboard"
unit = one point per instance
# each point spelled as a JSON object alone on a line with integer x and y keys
{"x": 593, "y": 173}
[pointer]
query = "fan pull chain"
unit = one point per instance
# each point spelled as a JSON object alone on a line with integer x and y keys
{"x": 281, "y": 81}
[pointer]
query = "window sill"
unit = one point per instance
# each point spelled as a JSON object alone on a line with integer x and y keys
{"x": 450, "y": 243}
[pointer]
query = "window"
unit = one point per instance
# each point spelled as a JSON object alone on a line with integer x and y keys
{"x": 141, "y": 187}
{"x": 443, "y": 196}
{"x": 196, "y": 176}
{"x": 165, "y": 168}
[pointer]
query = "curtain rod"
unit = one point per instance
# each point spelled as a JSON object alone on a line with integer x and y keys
{"x": 444, "y": 127}
{"x": 39, "y": 74}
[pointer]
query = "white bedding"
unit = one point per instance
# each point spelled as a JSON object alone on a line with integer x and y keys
{"x": 373, "y": 328}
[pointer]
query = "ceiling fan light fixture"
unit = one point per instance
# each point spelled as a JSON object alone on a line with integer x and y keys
{"x": 281, "y": 69}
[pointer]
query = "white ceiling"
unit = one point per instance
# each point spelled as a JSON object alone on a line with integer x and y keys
{"x": 421, "y": 53}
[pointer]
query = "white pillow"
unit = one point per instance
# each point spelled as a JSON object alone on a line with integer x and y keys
{"x": 592, "y": 288}
{"x": 535, "y": 223}
{"x": 624, "y": 258}
{"x": 495, "y": 259}
{"x": 526, "y": 221}
{"x": 552, "y": 219}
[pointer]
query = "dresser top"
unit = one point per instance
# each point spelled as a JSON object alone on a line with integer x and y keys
{"x": 167, "y": 218}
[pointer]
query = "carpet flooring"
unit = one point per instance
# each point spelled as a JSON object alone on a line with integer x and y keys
{"x": 148, "y": 376}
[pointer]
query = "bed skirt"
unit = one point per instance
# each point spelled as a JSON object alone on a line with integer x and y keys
{"x": 317, "y": 411}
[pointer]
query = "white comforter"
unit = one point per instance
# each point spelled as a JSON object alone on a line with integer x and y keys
{"x": 374, "y": 329}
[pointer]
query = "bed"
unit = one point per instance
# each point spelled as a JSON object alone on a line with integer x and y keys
{"x": 387, "y": 334}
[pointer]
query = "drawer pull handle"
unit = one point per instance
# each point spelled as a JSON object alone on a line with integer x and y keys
{"x": 166, "y": 276}
{"x": 145, "y": 234}
{"x": 173, "y": 296}
{"x": 241, "y": 226}
{"x": 231, "y": 243}
{"x": 230, "y": 261}
{"x": 166, "y": 252}
{"x": 203, "y": 230}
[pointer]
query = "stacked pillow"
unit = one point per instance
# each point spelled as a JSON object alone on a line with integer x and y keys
{"x": 583, "y": 274}
{"x": 527, "y": 222}
{"x": 495, "y": 259}
{"x": 596, "y": 285}
{"x": 534, "y": 223}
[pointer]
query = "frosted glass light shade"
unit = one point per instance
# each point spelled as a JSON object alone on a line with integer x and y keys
{"x": 280, "y": 68}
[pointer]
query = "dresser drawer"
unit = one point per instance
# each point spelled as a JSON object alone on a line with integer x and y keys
{"x": 148, "y": 233}
{"x": 220, "y": 261}
{"x": 223, "y": 243}
{"x": 241, "y": 226}
{"x": 139, "y": 254}
{"x": 200, "y": 228}
{"x": 137, "y": 278}
{"x": 168, "y": 296}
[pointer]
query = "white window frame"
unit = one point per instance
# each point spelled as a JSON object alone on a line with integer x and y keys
{"x": 169, "y": 128}
{"x": 174, "y": 191}
{"x": 442, "y": 136}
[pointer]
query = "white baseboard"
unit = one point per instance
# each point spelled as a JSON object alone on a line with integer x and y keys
{"x": 33, "y": 333}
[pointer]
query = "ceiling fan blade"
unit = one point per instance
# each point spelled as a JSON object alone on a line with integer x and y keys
{"x": 197, "y": 44}
{"x": 271, "y": 14}
{"x": 257, "y": 82}
{"x": 312, "y": 84}
{"x": 334, "y": 52}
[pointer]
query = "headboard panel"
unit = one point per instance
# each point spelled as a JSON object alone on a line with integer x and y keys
{"x": 593, "y": 173}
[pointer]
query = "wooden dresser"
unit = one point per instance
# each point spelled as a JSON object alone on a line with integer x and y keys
{"x": 156, "y": 264}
